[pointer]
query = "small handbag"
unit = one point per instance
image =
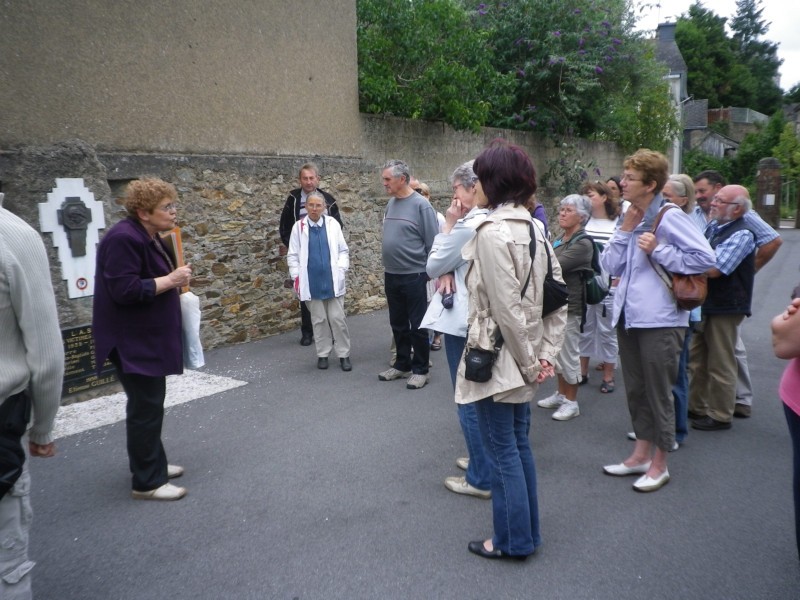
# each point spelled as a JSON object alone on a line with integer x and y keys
{"x": 689, "y": 291}
{"x": 555, "y": 294}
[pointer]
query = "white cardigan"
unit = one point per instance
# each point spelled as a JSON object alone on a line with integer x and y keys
{"x": 297, "y": 258}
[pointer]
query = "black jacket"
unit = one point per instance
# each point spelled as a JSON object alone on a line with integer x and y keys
{"x": 291, "y": 212}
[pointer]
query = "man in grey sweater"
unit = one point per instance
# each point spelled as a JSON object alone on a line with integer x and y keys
{"x": 409, "y": 227}
{"x": 31, "y": 374}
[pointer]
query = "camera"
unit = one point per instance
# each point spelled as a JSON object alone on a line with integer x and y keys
{"x": 447, "y": 300}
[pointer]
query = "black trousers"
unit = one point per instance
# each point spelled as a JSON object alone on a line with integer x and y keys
{"x": 144, "y": 419}
{"x": 305, "y": 321}
{"x": 406, "y": 296}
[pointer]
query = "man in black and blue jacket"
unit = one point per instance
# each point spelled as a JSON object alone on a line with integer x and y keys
{"x": 293, "y": 211}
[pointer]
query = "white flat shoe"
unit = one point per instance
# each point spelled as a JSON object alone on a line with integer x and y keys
{"x": 165, "y": 492}
{"x": 648, "y": 484}
{"x": 622, "y": 469}
{"x": 174, "y": 471}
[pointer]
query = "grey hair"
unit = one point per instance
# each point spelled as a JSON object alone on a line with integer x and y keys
{"x": 398, "y": 169}
{"x": 309, "y": 166}
{"x": 316, "y": 195}
{"x": 745, "y": 202}
{"x": 582, "y": 205}
{"x": 464, "y": 175}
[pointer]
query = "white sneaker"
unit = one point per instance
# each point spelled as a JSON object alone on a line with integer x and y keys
{"x": 568, "y": 410}
{"x": 462, "y": 462}
{"x": 553, "y": 401}
{"x": 392, "y": 374}
{"x": 459, "y": 485}
{"x": 417, "y": 381}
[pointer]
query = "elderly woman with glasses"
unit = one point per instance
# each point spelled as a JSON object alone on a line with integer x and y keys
{"x": 650, "y": 325}
{"x": 573, "y": 249}
{"x": 446, "y": 263}
{"x": 137, "y": 326}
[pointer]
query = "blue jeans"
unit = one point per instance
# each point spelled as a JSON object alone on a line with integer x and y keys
{"x": 680, "y": 392}
{"x": 479, "y": 472}
{"x": 407, "y": 297}
{"x": 793, "y": 421}
{"x": 515, "y": 509}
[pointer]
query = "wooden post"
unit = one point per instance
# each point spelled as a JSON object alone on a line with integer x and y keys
{"x": 768, "y": 191}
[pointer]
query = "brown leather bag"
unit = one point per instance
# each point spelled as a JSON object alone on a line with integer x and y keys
{"x": 689, "y": 290}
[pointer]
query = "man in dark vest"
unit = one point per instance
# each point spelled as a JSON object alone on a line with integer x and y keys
{"x": 293, "y": 211}
{"x": 712, "y": 362}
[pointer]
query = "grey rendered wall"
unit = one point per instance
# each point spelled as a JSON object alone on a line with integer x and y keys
{"x": 233, "y": 76}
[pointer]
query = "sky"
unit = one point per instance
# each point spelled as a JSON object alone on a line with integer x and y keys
{"x": 783, "y": 17}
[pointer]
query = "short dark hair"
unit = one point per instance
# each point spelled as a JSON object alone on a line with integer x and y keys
{"x": 713, "y": 177}
{"x": 506, "y": 174}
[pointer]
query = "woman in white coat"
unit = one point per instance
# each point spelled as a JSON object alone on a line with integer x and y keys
{"x": 446, "y": 263}
{"x": 318, "y": 260}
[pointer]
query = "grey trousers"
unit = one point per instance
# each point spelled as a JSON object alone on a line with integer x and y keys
{"x": 712, "y": 367}
{"x": 15, "y": 525}
{"x": 650, "y": 359}
{"x": 330, "y": 326}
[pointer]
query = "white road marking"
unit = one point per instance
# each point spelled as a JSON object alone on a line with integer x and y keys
{"x": 106, "y": 410}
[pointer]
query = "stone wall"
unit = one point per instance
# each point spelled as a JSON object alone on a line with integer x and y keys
{"x": 229, "y": 209}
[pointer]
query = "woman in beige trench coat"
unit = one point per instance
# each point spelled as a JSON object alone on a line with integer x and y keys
{"x": 501, "y": 266}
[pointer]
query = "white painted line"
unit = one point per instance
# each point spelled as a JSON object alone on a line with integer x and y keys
{"x": 106, "y": 410}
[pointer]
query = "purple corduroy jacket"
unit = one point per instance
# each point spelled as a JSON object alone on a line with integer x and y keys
{"x": 145, "y": 328}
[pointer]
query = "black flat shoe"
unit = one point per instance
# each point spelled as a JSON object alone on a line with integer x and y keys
{"x": 346, "y": 365}
{"x": 479, "y": 549}
{"x": 322, "y": 362}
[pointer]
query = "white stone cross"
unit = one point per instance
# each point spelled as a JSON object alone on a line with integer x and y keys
{"x": 72, "y": 211}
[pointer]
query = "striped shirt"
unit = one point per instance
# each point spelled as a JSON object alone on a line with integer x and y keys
{"x": 731, "y": 252}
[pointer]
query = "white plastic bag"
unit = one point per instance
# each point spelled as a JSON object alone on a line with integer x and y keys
{"x": 190, "y": 315}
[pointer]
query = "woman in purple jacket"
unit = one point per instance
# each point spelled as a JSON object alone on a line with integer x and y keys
{"x": 650, "y": 326}
{"x": 137, "y": 326}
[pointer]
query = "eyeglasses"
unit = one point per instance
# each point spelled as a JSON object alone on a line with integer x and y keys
{"x": 718, "y": 201}
{"x": 169, "y": 207}
{"x": 629, "y": 178}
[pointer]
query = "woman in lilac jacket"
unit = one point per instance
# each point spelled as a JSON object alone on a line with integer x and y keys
{"x": 137, "y": 326}
{"x": 650, "y": 326}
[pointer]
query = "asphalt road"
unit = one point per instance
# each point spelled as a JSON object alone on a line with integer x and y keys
{"x": 323, "y": 484}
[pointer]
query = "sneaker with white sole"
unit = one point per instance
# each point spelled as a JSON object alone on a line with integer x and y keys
{"x": 417, "y": 381}
{"x": 165, "y": 492}
{"x": 459, "y": 485}
{"x": 568, "y": 410}
{"x": 553, "y": 401}
{"x": 392, "y": 374}
{"x": 462, "y": 463}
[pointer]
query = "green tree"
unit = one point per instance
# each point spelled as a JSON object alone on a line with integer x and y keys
{"x": 730, "y": 71}
{"x": 759, "y": 56}
{"x": 423, "y": 59}
{"x": 793, "y": 95}
{"x": 711, "y": 65}
{"x": 581, "y": 71}
{"x": 788, "y": 152}
{"x": 753, "y": 148}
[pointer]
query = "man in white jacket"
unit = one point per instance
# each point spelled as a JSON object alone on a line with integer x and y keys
{"x": 318, "y": 260}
